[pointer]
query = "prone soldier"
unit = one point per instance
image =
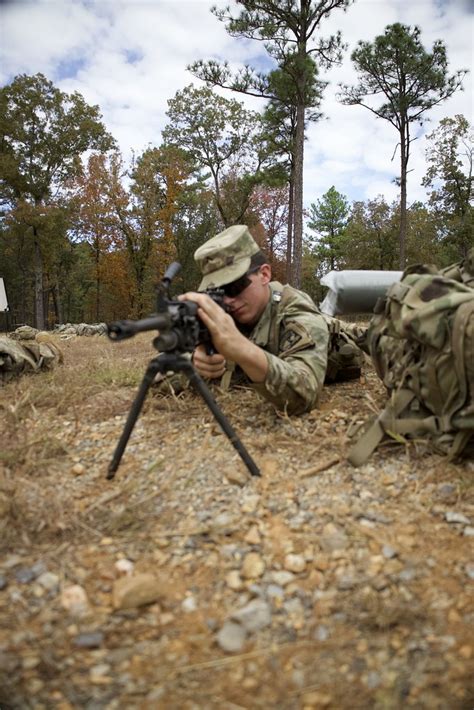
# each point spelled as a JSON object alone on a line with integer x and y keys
{"x": 270, "y": 335}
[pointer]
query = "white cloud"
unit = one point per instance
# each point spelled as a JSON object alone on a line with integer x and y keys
{"x": 130, "y": 57}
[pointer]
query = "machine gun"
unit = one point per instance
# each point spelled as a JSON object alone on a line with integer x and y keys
{"x": 180, "y": 331}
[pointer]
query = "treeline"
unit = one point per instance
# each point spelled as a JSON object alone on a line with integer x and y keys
{"x": 85, "y": 237}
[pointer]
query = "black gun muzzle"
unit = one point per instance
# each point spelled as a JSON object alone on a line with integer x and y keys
{"x": 123, "y": 329}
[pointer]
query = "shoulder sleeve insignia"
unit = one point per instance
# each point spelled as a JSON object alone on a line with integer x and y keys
{"x": 294, "y": 337}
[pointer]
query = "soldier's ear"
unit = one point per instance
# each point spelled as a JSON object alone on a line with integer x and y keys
{"x": 266, "y": 273}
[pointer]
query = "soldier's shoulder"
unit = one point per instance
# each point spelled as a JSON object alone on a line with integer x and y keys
{"x": 295, "y": 300}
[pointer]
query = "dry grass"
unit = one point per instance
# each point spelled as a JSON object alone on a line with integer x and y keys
{"x": 97, "y": 380}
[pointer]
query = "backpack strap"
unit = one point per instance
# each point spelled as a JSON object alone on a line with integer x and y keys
{"x": 227, "y": 376}
{"x": 458, "y": 339}
{"x": 459, "y": 443}
{"x": 366, "y": 445}
{"x": 279, "y": 299}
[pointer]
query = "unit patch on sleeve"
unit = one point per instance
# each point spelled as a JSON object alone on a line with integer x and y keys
{"x": 293, "y": 338}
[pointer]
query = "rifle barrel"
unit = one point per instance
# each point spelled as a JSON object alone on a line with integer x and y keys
{"x": 123, "y": 329}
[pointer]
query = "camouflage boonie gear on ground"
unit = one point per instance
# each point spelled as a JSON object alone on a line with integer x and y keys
{"x": 27, "y": 354}
{"x": 421, "y": 341}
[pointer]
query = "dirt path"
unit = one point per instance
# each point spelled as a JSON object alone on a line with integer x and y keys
{"x": 315, "y": 586}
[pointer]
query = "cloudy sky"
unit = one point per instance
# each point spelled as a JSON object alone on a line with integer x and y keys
{"x": 130, "y": 57}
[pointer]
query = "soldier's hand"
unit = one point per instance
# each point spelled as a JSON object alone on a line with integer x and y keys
{"x": 228, "y": 341}
{"x": 224, "y": 333}
{"x": 208, "y": 366}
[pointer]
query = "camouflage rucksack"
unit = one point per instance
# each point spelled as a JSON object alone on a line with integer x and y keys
{"x": 421, "y": 341}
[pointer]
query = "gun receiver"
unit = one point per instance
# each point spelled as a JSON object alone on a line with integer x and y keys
{"x": 180, "y": 330}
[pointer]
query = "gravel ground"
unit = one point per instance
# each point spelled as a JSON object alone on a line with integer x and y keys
{"x": 187, "y": 583}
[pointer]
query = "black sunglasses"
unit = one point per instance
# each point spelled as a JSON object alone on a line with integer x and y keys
{"x": 236, "y": 287}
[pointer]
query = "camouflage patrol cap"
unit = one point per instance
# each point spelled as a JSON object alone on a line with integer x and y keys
{"x": 226, "y": 257}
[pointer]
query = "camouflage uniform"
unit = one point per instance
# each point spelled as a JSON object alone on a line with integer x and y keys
{"x": 291, "y": 330}
{"x": 294, "y": 337}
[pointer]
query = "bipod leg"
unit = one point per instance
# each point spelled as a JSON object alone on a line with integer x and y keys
{"x": 224, "y": 423}
{"x": 154, "y": 367}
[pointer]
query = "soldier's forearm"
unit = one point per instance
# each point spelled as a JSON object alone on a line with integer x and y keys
{"x": 253, "y": 361}
{"x": 293, "y": 384}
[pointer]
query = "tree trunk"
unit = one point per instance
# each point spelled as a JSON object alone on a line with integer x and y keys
{"x": 58, "y": 309}
{"x": 289, "y": 235}
{"x": 97, "y": 287}
{"x": 23, "y": 291}
{"x": 403, "y": 196}
{"x": 298, "y": 197}
{"x": 39, "y": 300}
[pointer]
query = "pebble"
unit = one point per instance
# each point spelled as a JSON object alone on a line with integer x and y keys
{"x": 468, "y": 531}
{"x": 333, "y": 538}
{"x": 130, "y": 592}
{"x": 224, "y": 521}
{"x": 253, "y": 536}
{"x": 282, "y": 577}
{"x": 345, "y": 582}
{"x": 446, "y": 490}
{"x": 11, "y": 561}
{"x": 5, "y": 506}
{"x": 24, "y": 575}
{"x": 389, "y": 552}
{"x": 30, "y": 662}
{"x": 155, "y": 694}
{"x": 470, "y": 570}
{"x": 35, "y": 685}
{"x": 92, "y": 639}
{"x": 253, "y": 566}
{"x": 3, "y": 582}
{"x": 254, "y": 616}
{"x": 189, "y": 604}
{"x": 78, "y": 469}
{"x": 49, "y": 581}
{"x": 238, "y": 477}
{"x": 124, "y": 566}
{"x": 234, "y": 580}
{"x": 379, "y": 582}
{"x": 275, "y": 592}
{"x": 294, "y": 606}
{"x": 250, "y": 503}
{"x": 294, "y": 563}
{"x": 454, "y": 517}
{"x": 74, "y": 600}
{"x": 98, "y": 674}
{"x": 373, "y": 680}
{"x": 316, "y": 699}
{"x": 321, "y": 633}
{"x": 231, "y": 637}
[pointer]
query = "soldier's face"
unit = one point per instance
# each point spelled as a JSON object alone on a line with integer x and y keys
{"x": 249, "y": 304}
